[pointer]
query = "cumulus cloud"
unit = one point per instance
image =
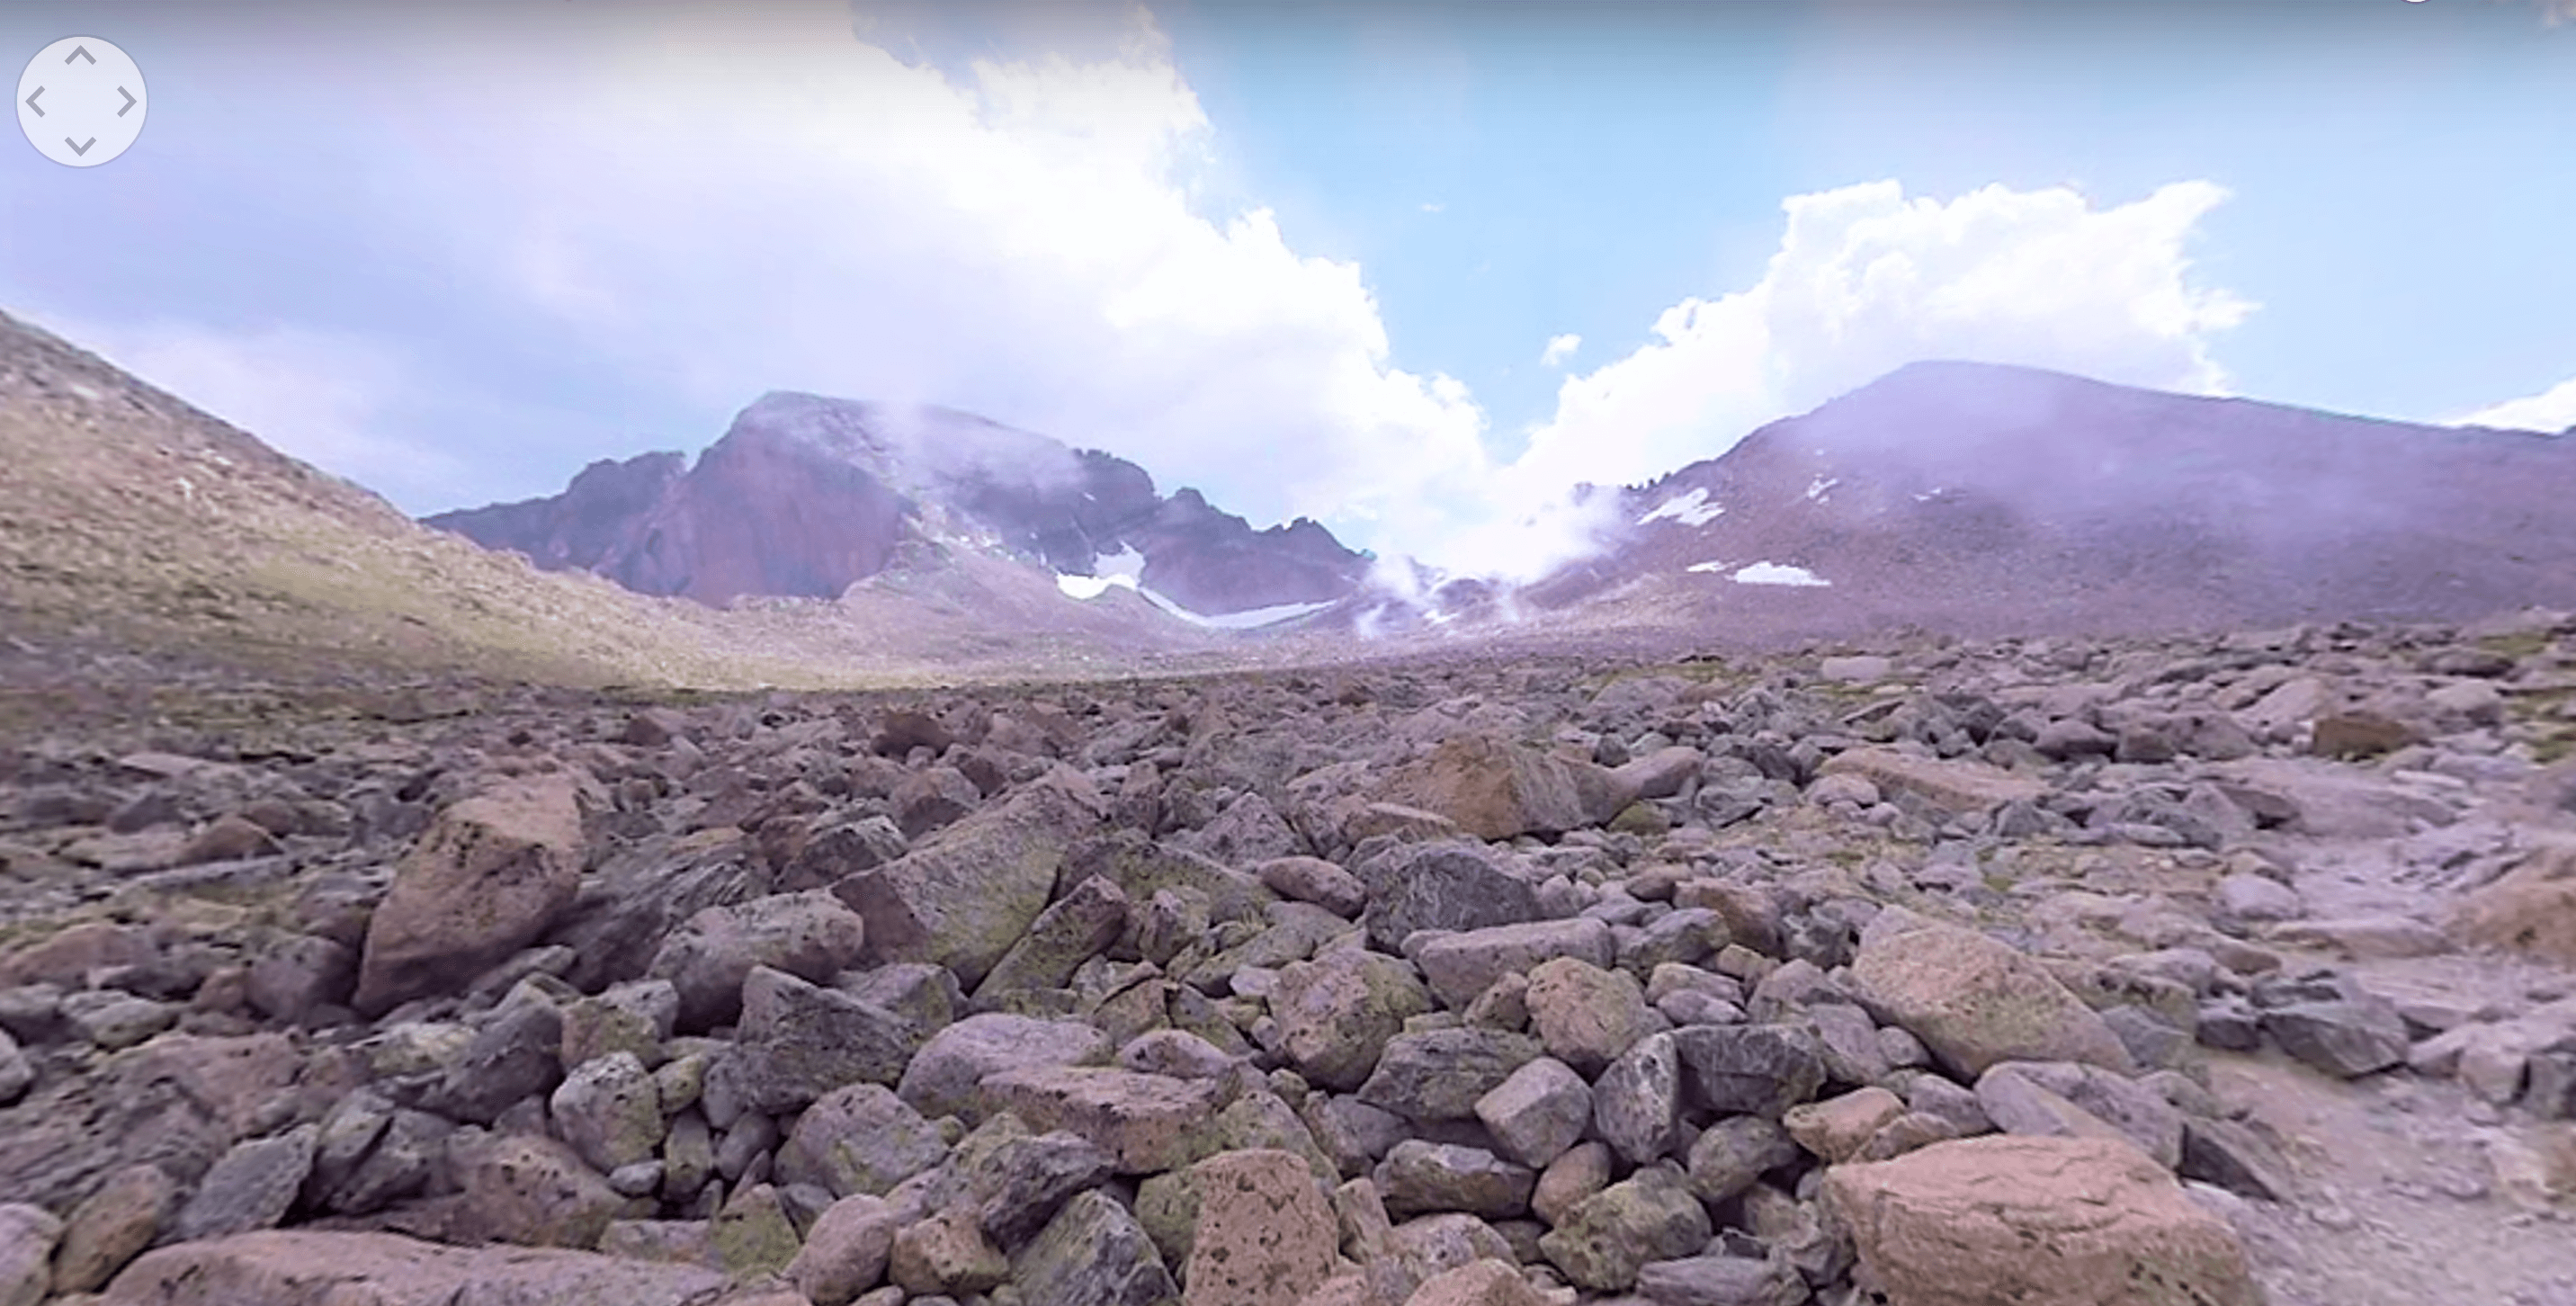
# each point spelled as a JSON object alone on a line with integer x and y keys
{"x": 1019, "y": 237}
{"x": 1867, "y": 280}
{"x": 1559, "y": 348}
{"x": 2552, "y": 410}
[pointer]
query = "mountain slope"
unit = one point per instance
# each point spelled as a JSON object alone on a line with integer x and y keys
{"x": 804, "y": 495}
{"x": 1978, "y": 498}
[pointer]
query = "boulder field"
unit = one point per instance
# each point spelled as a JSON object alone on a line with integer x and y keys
{"x": 1918, "y": 977}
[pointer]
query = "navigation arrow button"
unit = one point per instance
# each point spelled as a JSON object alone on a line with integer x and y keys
{"x": 31, "y": 101}
{"x": 130, "y": 101}
{"x": 82, "y": 147}
{"x": 79, "y": 52}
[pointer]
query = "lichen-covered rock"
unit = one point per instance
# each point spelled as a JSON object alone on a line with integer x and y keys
{"x": 610, "y": 1110}
{"x": 1419, "y": 1176}
{"x": 1636, "y": 1103}
{"x": 1092, "y": 1253}
{"x": 859, "y": 1138}
{"x": 1148, "y": 1122}
{"x": 1649, "y": 1216}
{"x": 798, "y": 1042}
{"x": 1337, "y": 1012}
{"x": 1071, "y": 930}
{"x": 252, "y": 1187}
{"x": 1440, "y": 1074}
{"x": 1586, "y": 1015}
{"x": 964, "y": 897}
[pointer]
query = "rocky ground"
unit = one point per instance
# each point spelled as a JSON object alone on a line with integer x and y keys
{"x": 2187, "y": 973}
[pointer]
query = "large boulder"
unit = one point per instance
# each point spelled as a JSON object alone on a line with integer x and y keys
{"x": 964, "y": 898}
{"x": 1092, "y": 1253}
{"x": 1495, "y": 788}
{"x": 1149, "y": 1123}
{"x": 1975, "y": 1001}
{"x": 2036, "y": 1221}
{"x": 490, "y": 875}
{"x": 1450, "y": 885}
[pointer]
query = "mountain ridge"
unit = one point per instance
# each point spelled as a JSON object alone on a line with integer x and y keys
{"x": 804, "y": 495}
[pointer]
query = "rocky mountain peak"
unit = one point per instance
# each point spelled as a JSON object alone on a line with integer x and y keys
{"x": 805, "y": 494}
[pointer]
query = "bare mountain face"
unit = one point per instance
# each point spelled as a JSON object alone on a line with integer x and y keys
{"x": 1973, "y": 497}
{"x": 805, "y": 495}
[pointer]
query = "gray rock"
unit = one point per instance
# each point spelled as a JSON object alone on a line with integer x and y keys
{"x": 516, "y": 1054}
{"x": 798, "y": 1042}
{"x": 610, "y": 1111}
{"x": 252, "y": 1187}
{"x": 1729, "y": 1156}
{"x": 1440, "y": 1074}
{"x": 111, "y": 1227}
{"x": 2345, "y": 1037}
{"x": 1749, "y": 1069}
{"x": 809, "y": 935}
{"x": 2234, "y": 1157}
{"x": 2138, "y": 1112}
{"x": 16, "y": 1072}
{"x": 27, "y": 1238}
{"x": 1721, "y": 1281}
{"x": 1440, "y": 886}
{"x": 1538, "y": 1112}
{"x": 1461, "y": 965}
{"x": 1314, "y": 880}
{"x": 943, "y": 1076}
{"x": 1636, "y": 1103}
{"x": 1093, "y": 1253}
{"x": 859, "y": 1138}
{"x": 1419, "y": 1177}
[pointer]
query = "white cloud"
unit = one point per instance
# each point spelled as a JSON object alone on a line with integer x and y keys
{"x": 741, "y": 207}
{"x": 1865, "y": 281}
{"x": 2552, "y": 410}
{"x": 1559, "y": 348}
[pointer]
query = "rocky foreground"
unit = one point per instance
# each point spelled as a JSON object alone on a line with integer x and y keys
{"x": 2046, "y": 972}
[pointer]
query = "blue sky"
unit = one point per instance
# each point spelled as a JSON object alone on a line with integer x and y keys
{"x": 1312, "y": 257}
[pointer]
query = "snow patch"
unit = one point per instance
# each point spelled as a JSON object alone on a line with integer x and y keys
{"x": 1246, "y": 620}
{"x": 1091, "y": 587}
{"x": 1692, "y": 509}
{"x": 1817, "y": 487}
{"x": 1708, "y": 566}
{"x": 1773, "y": 573}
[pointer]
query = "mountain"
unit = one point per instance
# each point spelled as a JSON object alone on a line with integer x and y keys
{"x": 1978, "y": 498}
{"x": 804, "y": 495}
{"x": 143, "y": 541}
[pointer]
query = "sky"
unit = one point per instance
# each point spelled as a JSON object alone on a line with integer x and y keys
{"x": 1411, "y": 268}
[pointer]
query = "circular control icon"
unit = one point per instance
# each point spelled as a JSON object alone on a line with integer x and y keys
{"x": 81, "y": 101}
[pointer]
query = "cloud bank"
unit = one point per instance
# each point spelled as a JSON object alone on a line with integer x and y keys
{"x": 703, "y": 203}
